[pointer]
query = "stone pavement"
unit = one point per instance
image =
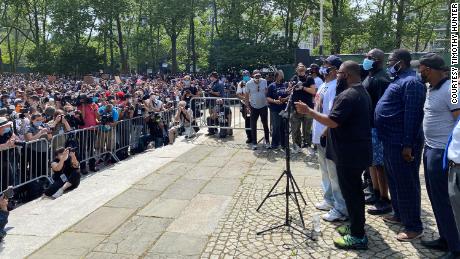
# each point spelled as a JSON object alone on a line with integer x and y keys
{"x": 202, "y": 205}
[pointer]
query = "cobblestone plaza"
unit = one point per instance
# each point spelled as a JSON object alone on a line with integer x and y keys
{"x": 203, "y": 205}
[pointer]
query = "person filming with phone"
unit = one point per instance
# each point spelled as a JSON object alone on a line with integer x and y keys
{"x": 66, "y": 176}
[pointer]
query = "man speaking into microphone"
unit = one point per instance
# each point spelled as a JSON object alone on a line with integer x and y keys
{"x": 349, "y": 145}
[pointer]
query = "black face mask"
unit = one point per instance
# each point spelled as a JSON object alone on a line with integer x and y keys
{"x": 342, "y": 85}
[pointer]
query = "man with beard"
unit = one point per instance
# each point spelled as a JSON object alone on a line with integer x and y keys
{"x": 376, "y": 83}
{"x": 398, "y": 119}
{"x": 349, "y": 146}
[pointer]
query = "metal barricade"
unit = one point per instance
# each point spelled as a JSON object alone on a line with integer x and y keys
{"x": 204, "y": 114}
{"x": 23, "y": 164}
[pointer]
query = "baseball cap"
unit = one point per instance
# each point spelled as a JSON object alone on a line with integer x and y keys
{"x": 433, "y": 61}
{"x": 334, "y": 61}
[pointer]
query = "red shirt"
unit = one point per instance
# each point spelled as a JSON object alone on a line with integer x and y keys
{"x": 90, "y": 115}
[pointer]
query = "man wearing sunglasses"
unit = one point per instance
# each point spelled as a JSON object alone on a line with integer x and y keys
{"x": 376, "y": 83}
{"x": 398, "y": 119}
{"x": 256, "y": 96}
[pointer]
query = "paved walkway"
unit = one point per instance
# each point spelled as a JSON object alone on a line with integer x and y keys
{"x": 202, "y": 205}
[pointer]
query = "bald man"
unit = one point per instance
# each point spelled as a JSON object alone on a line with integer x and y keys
{"x": 349, "y": 145}
{"x": 376, "y": 83}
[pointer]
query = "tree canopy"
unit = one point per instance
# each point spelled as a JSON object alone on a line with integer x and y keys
{"x": 76, "y": 37}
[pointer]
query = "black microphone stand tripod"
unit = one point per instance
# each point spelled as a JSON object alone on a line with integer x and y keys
{"x": 291, "y": 189}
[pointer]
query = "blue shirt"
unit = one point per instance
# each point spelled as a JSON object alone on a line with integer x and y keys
{"x": 276, "y": 91}
{"x": 218, "y": 87}
{"x": 399, "y": 113}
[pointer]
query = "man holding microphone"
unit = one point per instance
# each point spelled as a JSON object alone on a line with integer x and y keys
{"x": 349, "y": 146}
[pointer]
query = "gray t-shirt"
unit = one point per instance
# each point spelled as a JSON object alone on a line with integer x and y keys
{"x": 438, "y": 121}
{"x": 257, "y": 96}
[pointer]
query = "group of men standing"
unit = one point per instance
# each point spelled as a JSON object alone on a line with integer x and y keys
{"x": 386, "y": 123}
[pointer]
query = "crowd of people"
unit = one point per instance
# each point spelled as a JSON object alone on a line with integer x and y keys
{"x": 375, "y": 121}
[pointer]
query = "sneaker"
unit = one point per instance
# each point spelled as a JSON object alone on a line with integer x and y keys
{"x": 436, "y": 244}
{"x": 295, "y": 149}
{"x": 254, "y": 147}
{"x": 351, "y": 242}
{"x": 381, "y": 207}
{"x": 333, "y": 216}
{"x": 344, "y": 230}
{"x": 370, "y": 199}
{"x": 267, "y": 144}
{"x": 58, "y": 193}
{"x": 248, "y": 141}
{"x": 324, "y": 205}
{"x": 274, "y": 147}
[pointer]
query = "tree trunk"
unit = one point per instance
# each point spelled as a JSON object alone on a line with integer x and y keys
{"x": 336, "y": 32}
{"x": 174, "y": 52}
{"x": 192, "y": 28}
{"x": 112, "y": 61}
{"x": 1, "y": 61}
{"x": 124, "y": 63}
{"x": 399, "y": 24}
{"x": 10, "y": 52}
{"x": 105, "y": 49}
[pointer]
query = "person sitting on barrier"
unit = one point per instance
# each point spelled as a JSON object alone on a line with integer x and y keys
{"x": 221, "y": 116}
{"x": 182, "y": 121}
{"x": 65, "y": 173}
{"x": 37, "y": 153}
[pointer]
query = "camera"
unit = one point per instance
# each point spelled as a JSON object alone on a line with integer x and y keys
{"x": 106, "y": 118}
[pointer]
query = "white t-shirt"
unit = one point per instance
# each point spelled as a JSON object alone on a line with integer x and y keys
{"x": 453, "y": 152}
{"x": 257, "y": 97}
{"x": 318, "y": 82}
{"x": 324, "y": 99}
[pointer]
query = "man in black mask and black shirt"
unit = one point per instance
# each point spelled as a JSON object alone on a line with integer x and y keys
{"x": 376, "y": 83}
{"x": 304, "y": 90}
{"x": 349, "y": 145}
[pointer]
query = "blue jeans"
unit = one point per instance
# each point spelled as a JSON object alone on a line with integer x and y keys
{"x": 278, "y": 129}
{"x": 330, "y": 182}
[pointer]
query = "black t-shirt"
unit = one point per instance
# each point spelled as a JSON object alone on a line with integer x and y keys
{"x": 376, "y": 84}
{"x": 350, "y": 143}
{"x": 66, "y": 169}
{"x": 193, "y": 90}
{"x": 301, "y": 95}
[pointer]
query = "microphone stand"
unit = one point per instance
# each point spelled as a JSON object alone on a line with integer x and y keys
{"x": 292, "y": 189}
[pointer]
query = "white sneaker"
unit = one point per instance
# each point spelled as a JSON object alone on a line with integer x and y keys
{"x": 267, "y": 144}
{"x": 254, "y": 147}
{"x": 295, "y": 149}
{"x": 333, "y": 215}
{"x": 323, "y": 206}
{"x": 58, "y": 193}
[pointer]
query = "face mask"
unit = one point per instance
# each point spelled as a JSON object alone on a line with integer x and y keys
{"x": 246, "y": 78}
{"x": 393, "y": 70}
{"x": 6, "y": 131}
{"x": 38, "y": 124}
{"x": 187, "y": 83}
{"x": 368, "y": 64}
{"x": 323, "y": 71}
{"x": 342, "y": 85}
{"x": 95, "y": 99}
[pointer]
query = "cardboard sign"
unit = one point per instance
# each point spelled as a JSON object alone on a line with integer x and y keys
{"x": 88, "y": 80}
{"x": 118, "y": 80}
{"x": 52, "y": 79}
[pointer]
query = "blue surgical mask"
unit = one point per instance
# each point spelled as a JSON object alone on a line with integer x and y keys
{"x": 392, "y": 70}
{"x": 368, "y": 64}
{"x": 246, "y": 78}
{"x": 38, "y": 124}
{"x": 6, "y": 131}
{"x": 95, "y": 99}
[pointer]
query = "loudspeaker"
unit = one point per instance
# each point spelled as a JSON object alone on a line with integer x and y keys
{"x": 302, "y": 56}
